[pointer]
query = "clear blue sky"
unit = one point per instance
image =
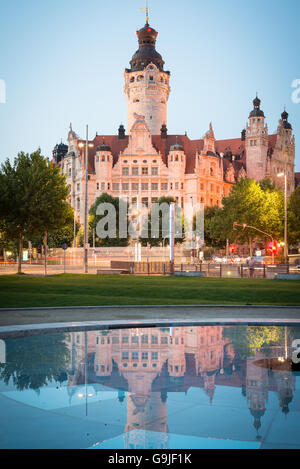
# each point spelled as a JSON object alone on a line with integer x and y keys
{"x": 63, "y": 61}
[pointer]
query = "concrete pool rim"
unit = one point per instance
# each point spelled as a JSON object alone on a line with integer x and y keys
{"x": 22, "y": 330}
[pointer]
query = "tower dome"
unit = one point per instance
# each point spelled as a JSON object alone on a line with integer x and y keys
{"x": 146, "y": 52}
{"x": 103, "y": 147}
{"x": 284, "y": 117}
{"x": 256, "y": 112}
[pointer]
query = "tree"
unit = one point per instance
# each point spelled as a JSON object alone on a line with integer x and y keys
{"x": 94, "y": 219}
{"x": 33, "y": 198}
{"x": 32, "y": 362}
{"x": 294, "y": 217}
{"x": 254, "y": 204}
{"x": 163, "y": 237}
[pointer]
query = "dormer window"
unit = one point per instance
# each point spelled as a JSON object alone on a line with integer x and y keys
{"x": 151, "y": 78}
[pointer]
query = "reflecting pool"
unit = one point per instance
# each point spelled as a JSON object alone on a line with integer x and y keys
{"x": 157, "y": 387}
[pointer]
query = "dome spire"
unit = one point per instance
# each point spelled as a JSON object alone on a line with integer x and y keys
{"x": 146, "y": 10}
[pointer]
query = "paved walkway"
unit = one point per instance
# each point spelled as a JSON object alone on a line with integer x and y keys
{"x": 149, "y": 314}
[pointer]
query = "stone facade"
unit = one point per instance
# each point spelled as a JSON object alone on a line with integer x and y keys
{"x": 147, "y": 162}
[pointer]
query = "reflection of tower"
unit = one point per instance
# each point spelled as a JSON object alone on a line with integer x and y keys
{"x": 285, "y": 381}
{"x": 256, "y": 390}
{"x": 176, "y": 356}
{"x": 146, "y": 412}
{"x": 103, "y": 356}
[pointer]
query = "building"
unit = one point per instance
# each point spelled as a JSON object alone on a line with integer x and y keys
{"x": 146, "y": 162}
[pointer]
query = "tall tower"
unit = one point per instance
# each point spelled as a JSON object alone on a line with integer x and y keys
{"x": 256, "y": 143}
{"x": 147, "y": 84}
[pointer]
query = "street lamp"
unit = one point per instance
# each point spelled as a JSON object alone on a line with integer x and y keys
{"x": 285, "y": 215}
{"x": 87, "y": 145}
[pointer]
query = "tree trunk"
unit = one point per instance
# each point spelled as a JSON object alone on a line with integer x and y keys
{"x": 20, "y": 254}
{"x": 250, "y": 247}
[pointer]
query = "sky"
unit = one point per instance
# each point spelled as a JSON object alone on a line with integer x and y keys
{"x": 63, "y": 61}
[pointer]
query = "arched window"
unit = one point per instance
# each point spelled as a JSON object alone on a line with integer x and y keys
{"x": 140, "y": 78}
{"x": 136, "y": 100}
{"x": 131, "y": 79}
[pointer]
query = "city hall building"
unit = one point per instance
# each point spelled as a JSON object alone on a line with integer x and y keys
{"x": 143, "y": 162}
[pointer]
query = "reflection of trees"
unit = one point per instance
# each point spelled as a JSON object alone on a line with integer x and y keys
{"x": 246, "y": 339}
{"x": 32, "y": 362}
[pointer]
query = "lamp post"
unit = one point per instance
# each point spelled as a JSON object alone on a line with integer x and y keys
{"x": 85, "y": 242}
{"x": 285, "y": 216}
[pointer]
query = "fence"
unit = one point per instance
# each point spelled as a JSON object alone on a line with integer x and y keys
{"x": 209, "y": 270}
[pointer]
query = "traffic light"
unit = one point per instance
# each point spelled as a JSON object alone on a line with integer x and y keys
{"x": 273, "y": 247}
{"x": 39, "y": 249}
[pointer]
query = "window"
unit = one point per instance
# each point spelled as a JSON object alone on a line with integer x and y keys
{"x": 116, "y": 186}
{"x": 154, "y": 171}
{"x": 135, "y": 187}
{"x": 144, "y": 170}
{"x": 154, "y": 355}
{"x": 115, "y": 340}
{"x": 164, "y": 340}
{"x": 135, "y": 355}
{"x": 125, "y": 340}
{"x": 103, "y": 186}
{"x": 177, "y": 185}
{"x": 78, "y": 187}
{"x": 154, "y": 339}
{"x": 144, "y": 339}
{"x": 103, "y": 158}
{"x": 154, "y": 200}
{"x": 164, "y": 186}
{"x": 125, "y": 171}
{"x": 125, "y": 187}
{"x": 144, "y": 355}
{"x": 136, "y": 100}
{"x": 135, "y": 171}
{"x": 154, "y": 186}
{"x": 98, "y": 186}
{"x": 131, "y": 79}
{"x": 151, "y": 78}
{"x": 125, "y": 355}
{"x": 135, "y": 339}
{"x": 144, "y": 186}
{"x": 145, "y": 201}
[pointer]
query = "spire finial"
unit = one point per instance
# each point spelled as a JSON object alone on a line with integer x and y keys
{"x": 146, "y": 10}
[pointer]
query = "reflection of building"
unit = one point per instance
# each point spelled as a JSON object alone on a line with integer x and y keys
{"x": 147, "y": 162}
{"x": 256, "y": 389}
{"x": 144, "y": 364}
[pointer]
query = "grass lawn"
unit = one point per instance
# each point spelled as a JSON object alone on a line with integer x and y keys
{"x": 96, "y": 290}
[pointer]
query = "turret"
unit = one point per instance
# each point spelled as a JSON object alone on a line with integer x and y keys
{"x": 103, "y": 167}
{"x": 256, "y": 143}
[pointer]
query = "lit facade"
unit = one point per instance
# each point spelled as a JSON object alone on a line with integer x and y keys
{"x": 146, "y": 162}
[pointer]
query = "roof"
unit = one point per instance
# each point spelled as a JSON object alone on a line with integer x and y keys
{"x": 235, "y": 146}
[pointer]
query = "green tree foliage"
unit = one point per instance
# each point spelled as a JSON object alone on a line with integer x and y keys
{"x": 33, "y": 362}
{"x": 33, "y": 198}
{"x": 94, "y": 219}
{"x": 257, "y": 205}
{"x": 246, "y": 339}
{"x": 294, "y": 217}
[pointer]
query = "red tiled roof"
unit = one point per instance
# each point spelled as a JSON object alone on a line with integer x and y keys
{"x": 236, "y": 146}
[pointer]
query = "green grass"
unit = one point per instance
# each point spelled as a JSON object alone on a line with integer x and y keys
{"x": 95, "y": 290}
